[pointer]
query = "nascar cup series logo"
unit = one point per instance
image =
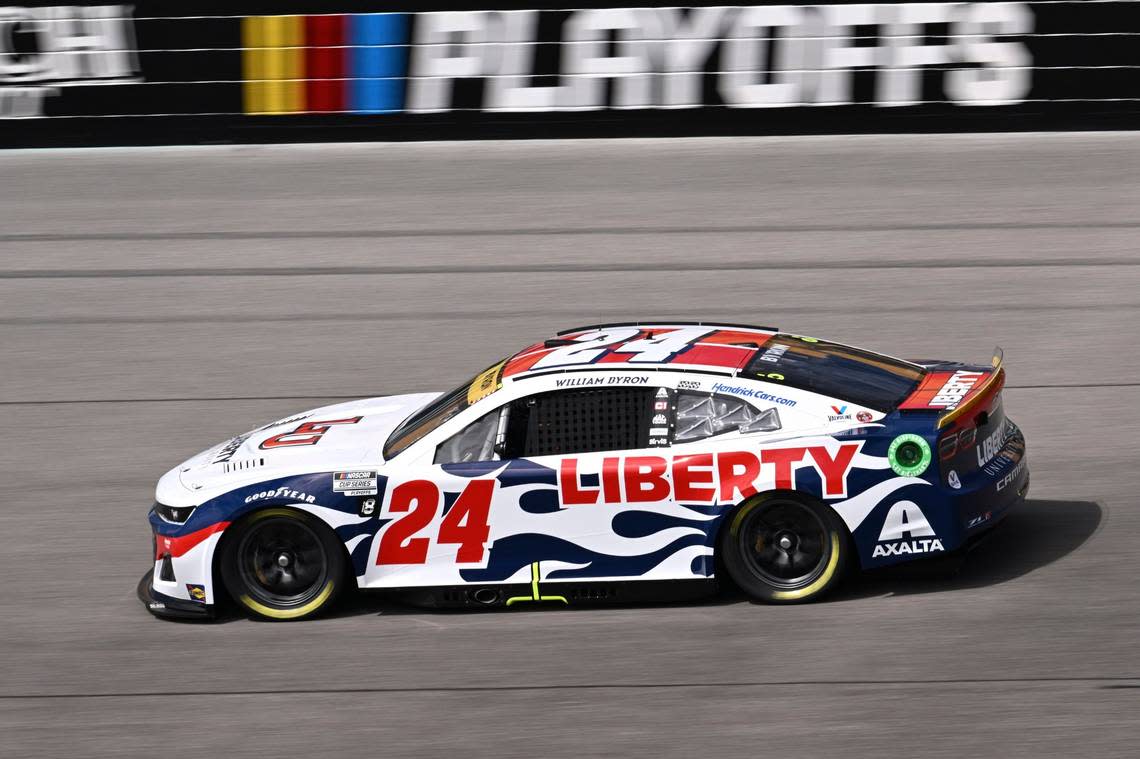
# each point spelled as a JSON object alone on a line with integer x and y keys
{"x": 355, "y": 483}
{"x": 43, "y": 49}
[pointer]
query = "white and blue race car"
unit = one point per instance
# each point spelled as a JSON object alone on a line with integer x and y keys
{"x": 610, "y": 463}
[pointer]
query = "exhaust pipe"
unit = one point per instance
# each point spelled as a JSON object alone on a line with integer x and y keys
{"x": 486, "y": 596}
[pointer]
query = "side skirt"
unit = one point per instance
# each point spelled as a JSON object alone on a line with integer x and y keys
{"x": 554, "y": 594}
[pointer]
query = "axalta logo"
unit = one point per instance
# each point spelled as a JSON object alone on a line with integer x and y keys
{"x": 703, "y": 478}
{"x": 906, "y": 531}
{"x": 955, "y": 389}
{"x": 44, "y": 48}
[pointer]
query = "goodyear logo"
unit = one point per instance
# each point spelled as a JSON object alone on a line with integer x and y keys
{"x": 335, "y": 63}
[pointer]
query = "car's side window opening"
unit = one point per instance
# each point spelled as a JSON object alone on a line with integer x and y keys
{"x": 475, "y": 442}
{"x": 581, "y": 421}
{"x": 555, "y": 423}
{"x": 702, "y": 415}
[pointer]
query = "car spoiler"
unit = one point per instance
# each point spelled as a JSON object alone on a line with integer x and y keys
{"x": 957, "y": 392}
{"x": 983, "y": 391}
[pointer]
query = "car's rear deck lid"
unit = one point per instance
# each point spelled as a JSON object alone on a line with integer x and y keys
{"x": 955, "y": 392}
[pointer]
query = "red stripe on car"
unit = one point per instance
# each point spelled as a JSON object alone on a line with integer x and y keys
{"x": 178, "y": 546}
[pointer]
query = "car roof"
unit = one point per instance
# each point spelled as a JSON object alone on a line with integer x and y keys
{"x": 707, "y": 347}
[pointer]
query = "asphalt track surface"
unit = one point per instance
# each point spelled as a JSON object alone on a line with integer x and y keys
{"x": 154, "y": 302}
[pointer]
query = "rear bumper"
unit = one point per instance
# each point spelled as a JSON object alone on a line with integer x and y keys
{"x": 920, "y": 521}
{"x": 1001, "y": 485}
{"x": 168, "y": 607}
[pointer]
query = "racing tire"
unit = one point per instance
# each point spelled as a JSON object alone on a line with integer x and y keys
{"x": 784, "y": 548}
{"x": 283, "y": 565}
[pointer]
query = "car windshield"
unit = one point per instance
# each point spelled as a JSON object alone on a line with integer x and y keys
{"x": 444, "y": 408}
{"x": 837, "y": 371}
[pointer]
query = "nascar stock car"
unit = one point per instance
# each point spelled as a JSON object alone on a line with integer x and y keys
{"x": 609, "y": 463}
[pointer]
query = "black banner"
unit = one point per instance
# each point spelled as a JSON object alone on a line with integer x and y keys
{"x": 165, "y": 72}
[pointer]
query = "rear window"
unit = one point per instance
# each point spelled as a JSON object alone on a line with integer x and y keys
{"x": 839, "y": 371}
{"x": 702, "y": 415}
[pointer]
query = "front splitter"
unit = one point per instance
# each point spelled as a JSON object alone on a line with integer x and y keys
{"x": 170, "y": 608}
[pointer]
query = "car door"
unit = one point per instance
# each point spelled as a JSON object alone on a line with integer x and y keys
{"x": 581, "y": 485}
{"x": 568, "y": 482}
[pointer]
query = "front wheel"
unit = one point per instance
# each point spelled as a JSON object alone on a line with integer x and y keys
{"x": 283, "y": 564}
{"x": 784, "y": 548}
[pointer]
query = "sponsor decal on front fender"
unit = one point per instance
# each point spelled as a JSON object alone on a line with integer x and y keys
{"x": 355, "y": 483}
{"x": 282, "y": 493}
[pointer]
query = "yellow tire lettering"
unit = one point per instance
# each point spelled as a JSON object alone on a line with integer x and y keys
{"x": 294, "y": 613}
{"x": 820, "y": 582}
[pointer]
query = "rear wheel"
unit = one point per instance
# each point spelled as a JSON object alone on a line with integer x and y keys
{"x": 784, "y": 548}
{"x": 283, "y": 564}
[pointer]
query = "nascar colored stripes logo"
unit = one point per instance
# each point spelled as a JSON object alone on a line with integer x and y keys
{"x": 331, "y": 63}
{"x": 739, "y": 57}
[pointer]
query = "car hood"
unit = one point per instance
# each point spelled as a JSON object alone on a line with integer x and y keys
{"x": 258, "y": 455}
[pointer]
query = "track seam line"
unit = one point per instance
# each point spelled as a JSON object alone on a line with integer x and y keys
{"x": 549, "y": 268}
{"x": 307, "y": 234}
{"x": 583, "y": 686}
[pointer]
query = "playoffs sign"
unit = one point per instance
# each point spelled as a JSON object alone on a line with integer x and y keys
{"x": 755, "y": 57}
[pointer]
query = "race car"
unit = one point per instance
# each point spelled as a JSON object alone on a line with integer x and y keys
{"x": 610, "y": 463}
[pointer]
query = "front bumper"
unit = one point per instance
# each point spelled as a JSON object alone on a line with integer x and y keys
{"x": 182, "y": 574}
{"x": 168, "y": 607}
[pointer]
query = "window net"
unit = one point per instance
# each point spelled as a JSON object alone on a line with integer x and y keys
{"x": 588, "y": 420}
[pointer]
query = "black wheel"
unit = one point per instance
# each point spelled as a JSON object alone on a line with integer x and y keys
{"x": 283, "y": 564}
{"x": 784, "y": 548}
